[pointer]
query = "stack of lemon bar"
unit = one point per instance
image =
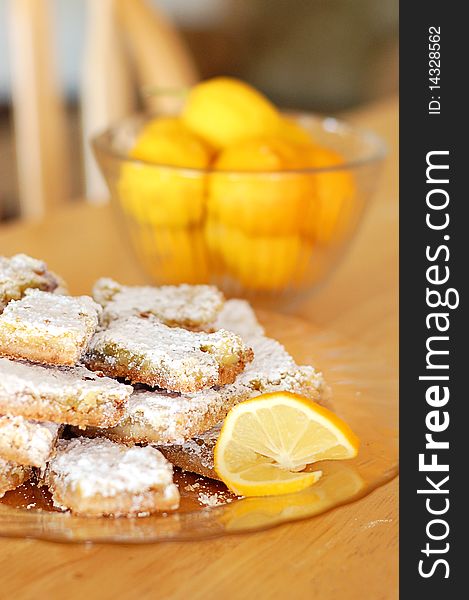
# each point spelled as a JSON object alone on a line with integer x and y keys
{"x": 100, "y": 396}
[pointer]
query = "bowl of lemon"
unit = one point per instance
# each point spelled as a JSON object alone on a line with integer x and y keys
{"x": 227, "y": 189}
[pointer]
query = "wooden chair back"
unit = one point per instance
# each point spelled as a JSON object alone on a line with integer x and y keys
{"x": 129, "y": 45}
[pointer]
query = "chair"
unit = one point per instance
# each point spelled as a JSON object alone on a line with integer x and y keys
{"x": 129, "y": 46}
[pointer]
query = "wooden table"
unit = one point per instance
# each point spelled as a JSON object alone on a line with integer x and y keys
{"x": 349, "y": 553}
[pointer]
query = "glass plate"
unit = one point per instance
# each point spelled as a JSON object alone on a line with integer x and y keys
{"x": 364, "y": 393}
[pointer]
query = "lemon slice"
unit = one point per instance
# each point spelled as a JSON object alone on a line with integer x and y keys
{"x": 266, "y": 443}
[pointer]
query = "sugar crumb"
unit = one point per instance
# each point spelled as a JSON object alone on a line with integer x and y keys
{"x": 216, "y": 499}
{"x": 192, "y": 488}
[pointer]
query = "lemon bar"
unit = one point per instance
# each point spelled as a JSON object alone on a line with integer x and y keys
{"x": 189, "y": 306}
{"x": 195, "y": 455}
{"x": 27, "y": 442}
{"x": 69, "y": 395}
{"x": 144, "y": 350}
{"x": 47, "y": 328}
{"x": 12, "y": 475}
{"x": 273, "y": 368}
{"x": 101, "y": 478}
{"x": 21, "y": 272}
{"x": 160, "y": 417}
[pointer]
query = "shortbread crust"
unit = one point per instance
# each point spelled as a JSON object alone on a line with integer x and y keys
{"x": 144, "y": 350}
{"x": 12, "y": 475}
{"x": 188, "y": 306}
{"x": 27, "y": 442}
{"x": 97, "y": 477}
{"x": 48, "y": 328}
{"x": 195, "y": 455}
{"x": 70, "y": 395}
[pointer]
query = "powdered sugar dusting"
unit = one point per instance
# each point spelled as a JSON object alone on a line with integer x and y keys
{"x": 25, "y": 441}
{"x": 20, "y": 377}
{"x": 63, "y": 394}
{"x": 189, "y": 306}
{"x": 162, "y": 417}
{"x": 212, "y": 500}
{"x": 48, "y": 328}
{"x": 169, "y": 357}
{"x": 65, "y": 312}
{"x": 238, "y": 316}
{"x": 99, "y": 466}
{"x": 21, "y": 272}
{"x": 273, "y": 368}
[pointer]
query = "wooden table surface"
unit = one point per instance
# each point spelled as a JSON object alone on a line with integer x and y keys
{"x": 347, "y": 554}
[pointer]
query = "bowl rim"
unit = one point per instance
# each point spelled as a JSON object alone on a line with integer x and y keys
{"x": 100, "y": 143}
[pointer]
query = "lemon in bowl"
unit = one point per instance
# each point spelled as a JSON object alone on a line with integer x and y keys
{"x": 162, "y": 196}
{"x": 232, "y": 191}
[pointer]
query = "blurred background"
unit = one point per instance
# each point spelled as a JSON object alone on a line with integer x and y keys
{"x": 321, "y": 55}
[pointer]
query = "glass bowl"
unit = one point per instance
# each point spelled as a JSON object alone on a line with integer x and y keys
{"x": 269, "y": 236}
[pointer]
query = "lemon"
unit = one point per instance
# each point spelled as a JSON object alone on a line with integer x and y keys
{"x": 263, "y": 263}
{"x": 225, "y": 111}
{"x": 292, "y": 131}
{"x": 266, "y": 444}
{"x": 260, "y": 153}
{"x": 167, "y": 141}
{"x": 160, "y": 195}
{"x": 172, "y": 255}
{"x": 332, "y": 207}
{"x": 258, "y": 196}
